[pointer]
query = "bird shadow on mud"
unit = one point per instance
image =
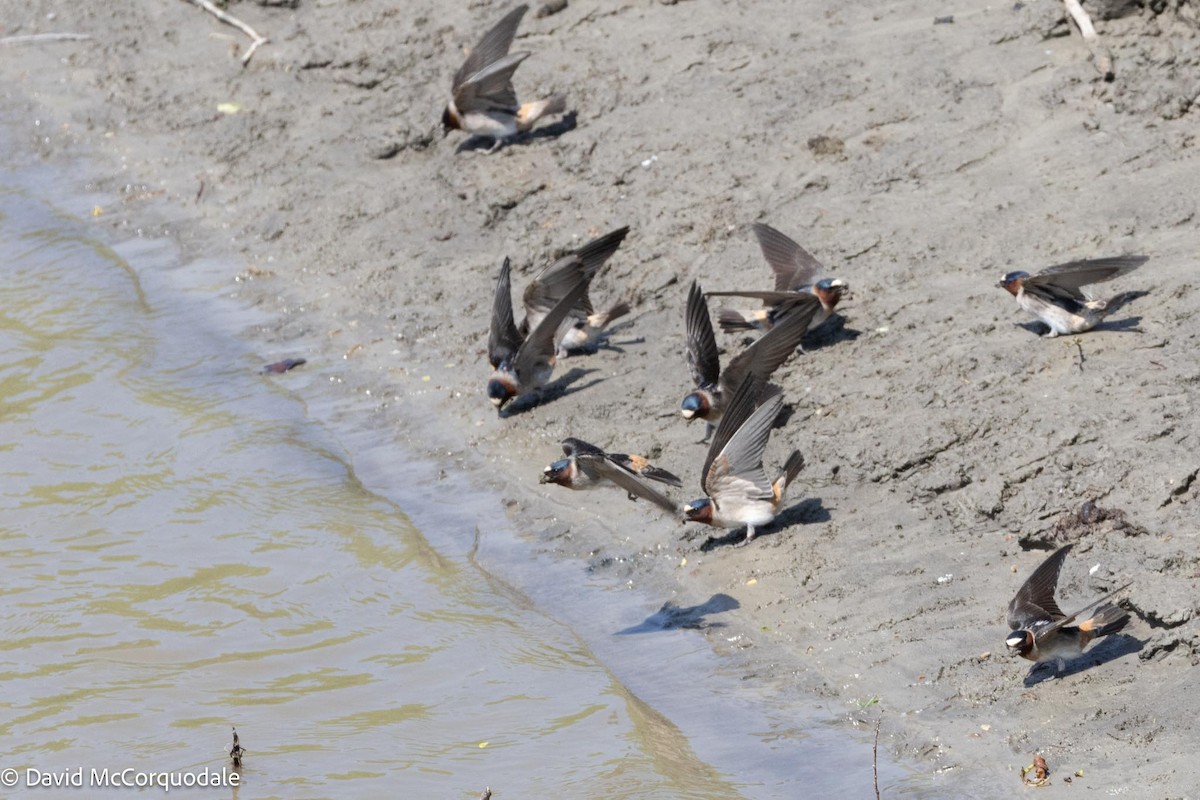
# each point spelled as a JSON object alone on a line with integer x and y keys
{"x": 785, "y": 415}
{"x": 1127, "y": 325}
{"x": 1110, "y": 649}
{"x": 1036, "y": 328}
{"x": 554, "y": 390}
{"x": 618, "y": 347}
{"x": 606, "y": 342}
{"x": 567, "y": 123}
{"x": 807, "y": 511}
{"x": 673, "y": 617}
{"x": 829, "y": 333}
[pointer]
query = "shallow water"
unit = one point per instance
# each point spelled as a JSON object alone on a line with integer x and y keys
{"x": 183, "y": 549}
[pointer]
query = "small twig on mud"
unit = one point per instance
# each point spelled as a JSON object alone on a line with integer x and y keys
{"x": 875, "y": 756}
{"x": 38, "y": 38}
{"x": 1079, "y": 346}
{"x": 1100, "y": 55}
{"x": 229, "y": 19}
{"x": 864, "y": 251}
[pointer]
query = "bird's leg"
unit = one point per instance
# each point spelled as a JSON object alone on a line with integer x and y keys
{"x": 749, "y": 536}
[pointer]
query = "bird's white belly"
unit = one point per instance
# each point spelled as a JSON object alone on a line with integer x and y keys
{"x": 753, "y": 513}
{"x": 496, "y": 124}
{"x": 1059, "y": 319}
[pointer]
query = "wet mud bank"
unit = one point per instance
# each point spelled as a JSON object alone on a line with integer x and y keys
{"x": 948, "y": 447}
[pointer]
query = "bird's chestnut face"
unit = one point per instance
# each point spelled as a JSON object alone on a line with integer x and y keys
{"x": 699, "y": 510}
{"x": 559, "y": 472}
{"x": 1012, "y": 282}
{"x": 830, "y": 291}
{"x": 449, "y": 121}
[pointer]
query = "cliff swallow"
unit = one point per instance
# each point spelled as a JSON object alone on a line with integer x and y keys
{"x": 1042, "y": 633}
{"x": 736, "y": 487}
{"x": 1055, "y": 294}
{"x": 758, "y": 360}
{"x": 795, "y": 270}
{"x": 583, "y": 325}
{"x": 522, "y": 363}
{"x": 482, "y": 99}
{"x": 587, "y": 466}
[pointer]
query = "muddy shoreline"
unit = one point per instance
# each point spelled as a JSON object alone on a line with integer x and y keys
{"x": 948, "y": 447}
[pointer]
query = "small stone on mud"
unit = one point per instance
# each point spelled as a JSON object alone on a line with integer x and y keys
{"x": 826, "y": 145}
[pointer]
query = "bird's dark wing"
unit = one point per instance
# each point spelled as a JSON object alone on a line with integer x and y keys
{"x": 491, "y": 48}
{"x": 769, "y": 298}
{"x": 1071, "y": 300}
{"x": 767, "y": 354}
{"x": 578, "y": 447}
{"x": 634, "y": 485}
{"x": 491, "y": 88}
{"x": 557, "y": 279}
{"x": 1046, "y": 630}
{"x": 1074, "y": 275}
{"x": 738, "y": 408}
{"x": 793, "y": 266}
{"x": 538, "y": 348}
{"x": 1034, "y": 601}
{"x": 597, "y": 251}
{"x": 643, "y": 468}
{"x": 703, "y": 359}
{"x": 503, "y": 339}
{"x": 738, "y": 467}
{"x": 552, "y": 285}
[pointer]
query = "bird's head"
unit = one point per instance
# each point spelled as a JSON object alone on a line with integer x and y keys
{"x": 1012, "y": 281}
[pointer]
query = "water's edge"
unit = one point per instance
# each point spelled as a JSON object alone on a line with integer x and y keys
{"x": 674, "y": 675}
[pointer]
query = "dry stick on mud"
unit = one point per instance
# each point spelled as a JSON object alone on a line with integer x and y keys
{"x": 229, "y": 19}
{"x": 1100, "y": 55}
{"x": 38, "y": 38}
{"x": 1079, "y": 346}
{"x": 875, "y": 756}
